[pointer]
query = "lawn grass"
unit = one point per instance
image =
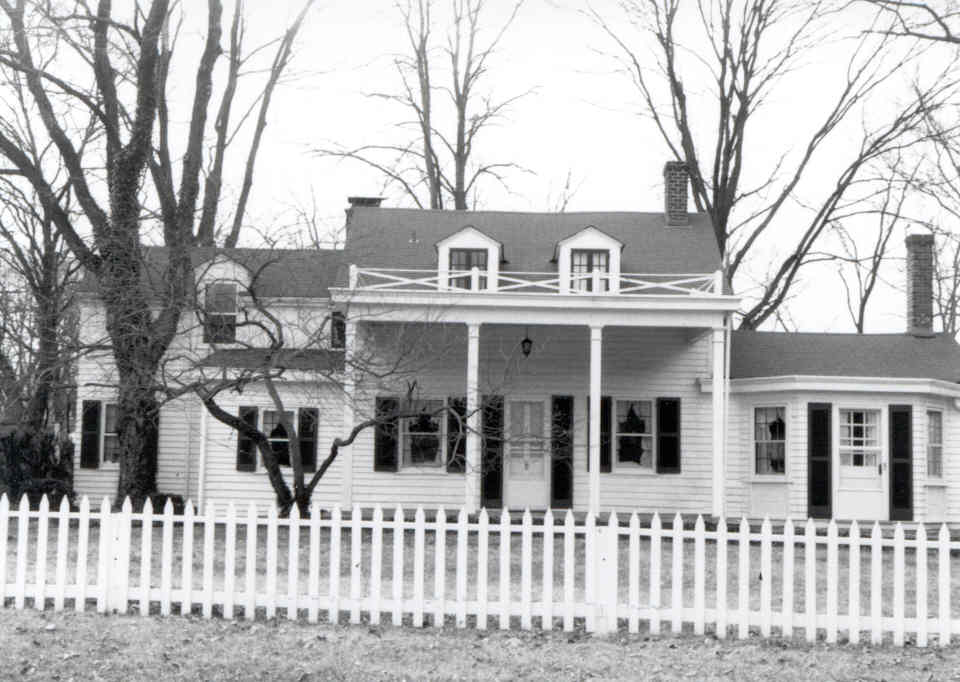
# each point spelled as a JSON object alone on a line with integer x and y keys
{"x": 450, "y": 567}
{"x": 112, "y": 648}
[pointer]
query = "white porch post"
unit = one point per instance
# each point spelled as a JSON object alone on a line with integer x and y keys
{"x": 596, "y": 348}
{"x": 472, "y": 469}
{"x": 349, "y": 408}
{"x": 718, "y": 390}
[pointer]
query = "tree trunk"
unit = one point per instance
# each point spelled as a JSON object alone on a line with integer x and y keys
{"x": 35, "y": 417}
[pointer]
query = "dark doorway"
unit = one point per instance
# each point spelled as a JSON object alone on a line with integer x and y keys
{"x": 491, "y": 453}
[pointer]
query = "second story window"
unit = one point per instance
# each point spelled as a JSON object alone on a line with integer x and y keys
{"x": 220, "y": 313}
{"x": 461, "y": 262}
{"x": 583, "y": 263}
{"x": 338, "y": 331}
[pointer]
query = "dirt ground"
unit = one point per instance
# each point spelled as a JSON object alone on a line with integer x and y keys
{"x": 91, "y": 647}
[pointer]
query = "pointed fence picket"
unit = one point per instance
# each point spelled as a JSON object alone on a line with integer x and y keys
{"x": 535, "y": 580}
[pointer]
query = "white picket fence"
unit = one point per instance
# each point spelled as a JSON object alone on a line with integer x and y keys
{"x": 552, "y": 572}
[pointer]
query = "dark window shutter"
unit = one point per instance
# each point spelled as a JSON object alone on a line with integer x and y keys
{"x": 668, "y": 435}
{"x": 606, "y": 426}
{"x": 246, "y": 448}
{"x": 491, "y": 480}
{"x": 561, "y": 446}
{"x": 90, "y": 434}
{"x": 338, "y": 331}
{"x": 457, "y": 435}
{"x": 307, "y": 431}
{"x": 385, "y": 451}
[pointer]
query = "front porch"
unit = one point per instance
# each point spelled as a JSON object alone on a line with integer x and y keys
{"x": 601, "y": 359}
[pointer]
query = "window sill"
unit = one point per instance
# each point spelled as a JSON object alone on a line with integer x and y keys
{"x": 422, "y": 471}
{"x": 779, "y": 478}
{"x": 634, "y": 471}
{"x": 935, "y": 483}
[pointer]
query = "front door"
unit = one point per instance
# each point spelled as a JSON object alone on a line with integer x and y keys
{"x": 527, "y": 480}
{"x": 861, "y": 490}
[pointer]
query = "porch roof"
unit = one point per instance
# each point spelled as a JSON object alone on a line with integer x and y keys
{"x": 768, "y": 354}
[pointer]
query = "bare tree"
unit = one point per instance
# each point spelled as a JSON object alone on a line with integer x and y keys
{"x": 437, "y": 167}
{"x": 113, "y": 69}
{"x": 922, "y": 20}
{"x": 860, "y": 270}
{"x": 751, "y": 45}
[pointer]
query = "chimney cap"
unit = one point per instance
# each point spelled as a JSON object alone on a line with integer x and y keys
{"x": 674, "y": 166}
{"x": 373, "y": 202}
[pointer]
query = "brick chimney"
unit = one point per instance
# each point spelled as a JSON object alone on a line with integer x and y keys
{"x": 920, "y": 284}
{"x": 675, "y": 180}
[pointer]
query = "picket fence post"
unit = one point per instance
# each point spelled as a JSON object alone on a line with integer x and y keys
{"x": 655, "y": 559}
{"x": 699, "y": 573}
{"x": 63, "y": 537}
{"x": 676, "y": 588}
{"x": 356, "y": 561}
{"x": 921, "y": 585}
{"x": 398, "y": 535}
{"x": 766, "y": 577}
{"x": 146, "y": 556}
{"x": 606, "y": 547}
{"x": 83, "y": 535}
{"x": 376, "y": 565}
{"x": 943, "y": 575}
{"x": 833, "y": 550}
{"x": 483, "y": 547}
{"x": 569, "y": 572}
{"x": 743, "y": 580}
{"x": 40, "y": 579}
{"x": 23, "y": 528}
{"x": 721, "y": 603}
{"x": 119, "y": 545}
{"x": 788, "y": 579}
{"x": 104, "y": 560}
{"x": 876, "y": 585}
{"x": 853, "y": 607}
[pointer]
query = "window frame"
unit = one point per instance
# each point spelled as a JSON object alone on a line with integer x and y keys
{"x": 770, "y": 477}
{"x": 403, "y": 431}
{"x": 262, "y": 418}
{"x": 460, "y": 275}
{"x": 545, "y": 433}
{"x": 104, "y": 462}
{"x": 879, "y": 449}
{"x": 631, "y": 467}
{"x": 938, "y": 477}
{"x": 208, "y": 336}
{"x": 575, "y": 284}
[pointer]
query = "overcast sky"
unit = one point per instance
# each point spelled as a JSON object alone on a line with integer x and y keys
{"x": 581, "y": 117}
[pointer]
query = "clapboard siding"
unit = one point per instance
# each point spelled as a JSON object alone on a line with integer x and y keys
{"x": 740, "y": 445}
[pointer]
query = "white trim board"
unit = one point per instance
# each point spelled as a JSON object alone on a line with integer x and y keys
{"x": 840, "y": 384}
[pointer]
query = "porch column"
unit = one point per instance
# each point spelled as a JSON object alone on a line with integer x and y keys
{"x": 596, "y": 348}
{"x": 472, "y": 469}
{"x": 718, "y": 391}
{"x": 349, "y": 409}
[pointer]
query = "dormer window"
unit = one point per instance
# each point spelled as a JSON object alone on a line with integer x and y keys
{"x": 583, "y": 263}
{"x": 587, "y": 254}
{"x": 462, "y": 261}
{"x": 220, "y": 313}
{"x": 460, "y": 253}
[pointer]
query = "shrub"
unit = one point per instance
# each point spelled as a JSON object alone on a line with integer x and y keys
{"x": 36, "y": 466}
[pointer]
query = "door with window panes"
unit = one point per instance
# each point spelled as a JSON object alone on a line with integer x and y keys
{"x": 526, "y": 483}
{"x": 861, "y": 490}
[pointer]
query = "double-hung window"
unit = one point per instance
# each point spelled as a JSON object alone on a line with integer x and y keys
{"x": 421, "y": 436}
{"x": 583, "y": 263}
{"x": 635, "y": 433}
{"x": 220, "y": 313}
{"x": 279, "y": 438}
{"x": 935, "y": 444}
{"x": 462, "y": 261}
{"x": 769, "y": 440}
{"x": 860, "y": 438}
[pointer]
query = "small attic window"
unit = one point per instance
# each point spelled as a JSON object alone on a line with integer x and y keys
{"x": 220, "y": 312}
{"x": 462, "y": 261}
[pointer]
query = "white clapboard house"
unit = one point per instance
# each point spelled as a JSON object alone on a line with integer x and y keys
{"x": 592, "y": 354}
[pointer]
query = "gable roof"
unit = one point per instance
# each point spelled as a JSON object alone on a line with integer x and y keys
{"x": 405, "y": 238}
{"x": 296, "y": 273}
{"x": 767, "y": 354}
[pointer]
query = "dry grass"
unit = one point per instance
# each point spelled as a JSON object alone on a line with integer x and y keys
{"x": 88, "y": 646}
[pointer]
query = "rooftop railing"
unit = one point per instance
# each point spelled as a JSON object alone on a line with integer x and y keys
{"x": 506, "y": 282}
